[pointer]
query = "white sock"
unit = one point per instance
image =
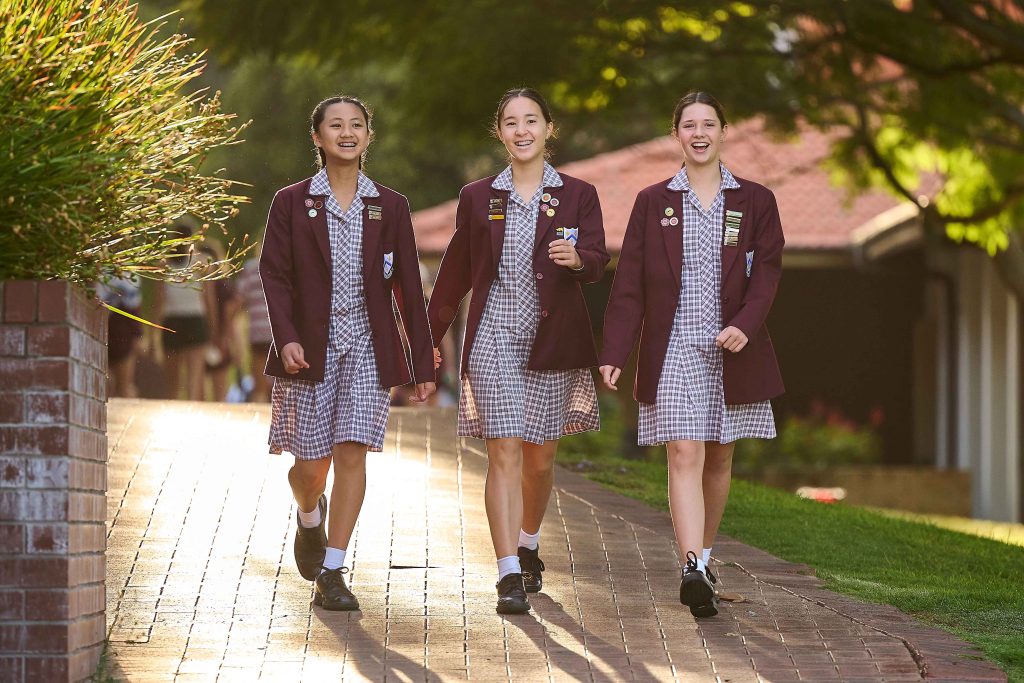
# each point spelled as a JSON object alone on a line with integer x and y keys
{"x": 700, "y": 564}
{"x": 507, "y": 565}
{"x": 707, "y": 555}
{"x": 309, "y": 519}
{"x": 529, "y": 541}
{"x": 334, "y": 558}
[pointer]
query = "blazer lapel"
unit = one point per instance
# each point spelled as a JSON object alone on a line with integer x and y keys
{"x": 544, "y": 221}
{"x": 672, "y": 234}
{"x": 735, "y": 200}
{"x": 496, "y": 227}
{"x": 318, "y": 224}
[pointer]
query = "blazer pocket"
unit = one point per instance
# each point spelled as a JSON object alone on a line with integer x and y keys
{"x": 389, "y": 264}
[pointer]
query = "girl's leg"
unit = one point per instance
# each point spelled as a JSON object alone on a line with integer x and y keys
{"x": 503, "y": 494}
{"x": 172, "y": 373}
{"x": 716, "y": 480}
{"x": 308, "y": 479}
{"x": 503, "y": 498}
{"x": 195, "y": 374}
{"x": 347, "y": 493}
{"x": 538, "y": 476}
{"x": 685, "y": 494}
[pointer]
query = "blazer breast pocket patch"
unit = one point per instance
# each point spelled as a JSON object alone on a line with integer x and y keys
{"x": 389, "y": 265}
{"x": 750, "y": 262}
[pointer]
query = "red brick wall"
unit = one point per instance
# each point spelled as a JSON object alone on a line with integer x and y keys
{"x": 53, "y": 453}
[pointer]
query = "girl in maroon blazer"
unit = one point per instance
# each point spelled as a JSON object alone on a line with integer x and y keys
{"x": 524, "y": 241}
{"x": 699, "y": 268}
{"x": 338, "y": 246}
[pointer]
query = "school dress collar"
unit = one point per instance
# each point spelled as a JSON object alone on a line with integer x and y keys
{"x": 365, "y": 188}
{"x": 503, "y": 181}
{"x": 681, "y": 183}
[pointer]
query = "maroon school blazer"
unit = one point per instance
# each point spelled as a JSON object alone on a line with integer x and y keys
{"x": 647, "y": 281}
{"x": 564, "y": 336}
{"x": 295, "y": 267}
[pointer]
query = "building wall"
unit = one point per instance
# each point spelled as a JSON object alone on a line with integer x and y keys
{"x": 988, "y": 386}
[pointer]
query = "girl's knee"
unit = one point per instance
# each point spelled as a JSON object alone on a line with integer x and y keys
{"x": 685, "y": 455}
{"x": 308, "y": 474}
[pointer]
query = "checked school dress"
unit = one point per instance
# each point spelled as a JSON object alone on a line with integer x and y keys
{"x": 690, "y": 402}
{"x": 309, "y": 418}
{"x": 500, "y": 397}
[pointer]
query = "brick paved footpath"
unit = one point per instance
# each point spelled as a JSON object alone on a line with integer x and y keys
{"x": 201, "y": 585}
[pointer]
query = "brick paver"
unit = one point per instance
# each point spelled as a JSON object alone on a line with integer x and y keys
{"x": 201, "y": 584}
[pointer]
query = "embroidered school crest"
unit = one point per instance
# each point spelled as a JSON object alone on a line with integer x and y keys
{"x": 389, "y": 265}
{"x": 570, "y": 235}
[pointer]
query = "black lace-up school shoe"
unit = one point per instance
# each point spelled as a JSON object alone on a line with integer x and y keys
{"x": 311, "y": 544}
{"x": 695, "y": 590}
{"x": 512, "y": 595}
{"x": 532, "y": 567}
{"x": 709, "y": 609}
{"x": 330, "y": 591}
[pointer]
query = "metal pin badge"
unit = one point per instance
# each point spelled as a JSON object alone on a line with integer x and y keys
{"x": 550, "y": 212}
{"x": 312, "y": 213}
{"x": 664, "y": 222}
{"x": 673, "y": 221}
{"x": 318, "y": 205}
{"x": 546, "y": 197}
{"x": 669, "y": 211}
{"x": 309, "y": 203}
{"x": 554, "y": 201}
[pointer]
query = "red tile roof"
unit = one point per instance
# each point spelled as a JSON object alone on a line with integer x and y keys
{"x": 815, "y": 214}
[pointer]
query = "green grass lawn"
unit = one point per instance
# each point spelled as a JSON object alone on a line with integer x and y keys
{"x": 971, "y": 586}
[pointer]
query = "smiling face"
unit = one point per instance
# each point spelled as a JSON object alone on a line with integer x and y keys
{"x": 701, "y": 134}
{"x": 523, "y": 129}
{"x": 343, "y": 135}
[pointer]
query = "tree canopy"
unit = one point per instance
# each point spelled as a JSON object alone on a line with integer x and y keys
{"x": 917, "y": 88}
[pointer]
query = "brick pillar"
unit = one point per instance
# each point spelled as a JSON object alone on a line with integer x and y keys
{"x": 53, "y": 453}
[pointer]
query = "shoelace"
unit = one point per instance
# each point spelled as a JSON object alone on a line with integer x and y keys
{"x": 691, "y": 562}
{"x": 339, "y": 572}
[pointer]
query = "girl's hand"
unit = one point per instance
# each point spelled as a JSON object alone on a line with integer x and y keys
{"x": 437, "y": 358}
{"x": 610, "y": 375}
{"x": 564, "y": 253}
{"x": 731, "y": 339}
{"x": 423, "y": 391}
{"x": 293, "y": 357}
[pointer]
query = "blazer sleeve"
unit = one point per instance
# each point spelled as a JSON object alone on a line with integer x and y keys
{"x": 591, "y": 245}
{"x": 625, "y": 312}
{"x": 276, "y": 272}
{"x": 454, "y": 275}
{"x": 766, "y": 270}
{"x": 409, "y": 288}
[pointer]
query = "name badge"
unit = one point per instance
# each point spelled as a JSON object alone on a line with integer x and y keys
{"x": 731, "y": 236}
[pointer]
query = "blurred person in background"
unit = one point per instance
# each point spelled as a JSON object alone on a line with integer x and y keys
{"x": 123, "y": 335}
{"x": 260, "y": 338}
{"x": 224, "y": 350}
{"x": 184, "y": 307}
